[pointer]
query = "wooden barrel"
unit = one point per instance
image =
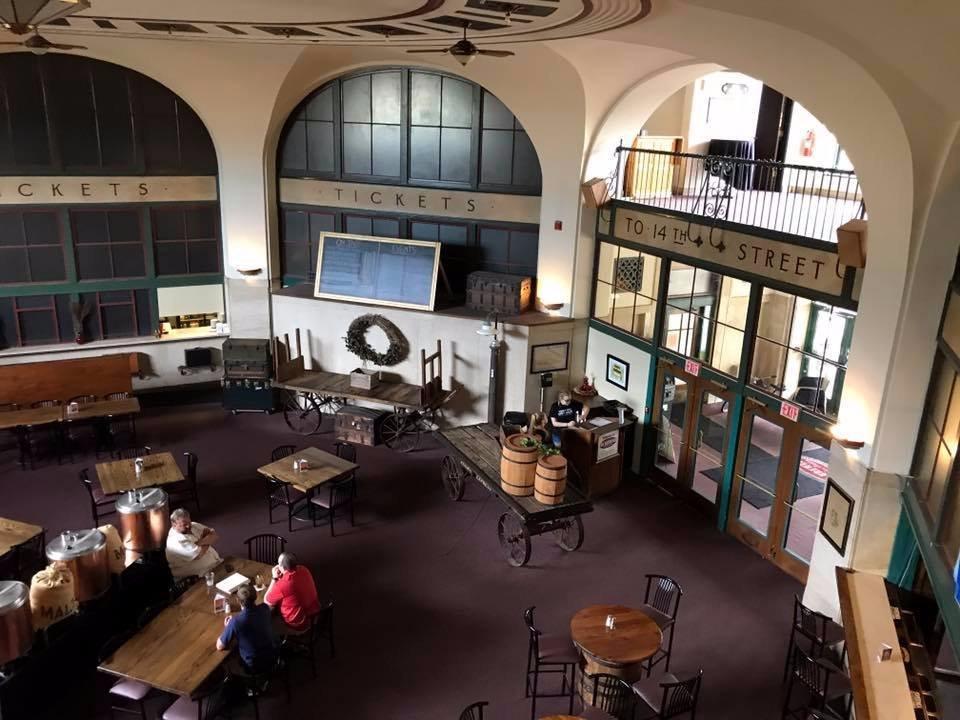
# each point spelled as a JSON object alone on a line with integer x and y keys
{"x": 518, "y": 465}
{"x": 551, "y": 479}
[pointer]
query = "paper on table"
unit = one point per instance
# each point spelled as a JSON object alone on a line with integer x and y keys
{"x": 600, "y": 422}
{"x": 231, "y": 583}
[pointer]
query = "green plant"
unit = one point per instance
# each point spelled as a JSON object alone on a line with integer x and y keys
{"x": 547, "y": 450}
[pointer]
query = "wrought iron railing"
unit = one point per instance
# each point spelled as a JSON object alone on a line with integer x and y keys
{"x": 796, "y": 199}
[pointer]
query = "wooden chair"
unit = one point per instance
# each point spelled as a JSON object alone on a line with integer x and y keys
{"x": 305, "y": 644}
{"x": 332, "y": 499}
{"x": 817, "y": 631}
{"x": 821, "y": 680}
{"x": 132, "y": 453}
{"x": 265, "y": 547}
{"x": 209, "y": 703}
{"x": 613, "y": 697}
{"x": 668, "y": 696}
{"x": 127, "y": 696}
{"x": 187, "y": 490}
{"x": 281, "y": 494}
{"x": 474, "y": 711}
{"x": 33, "y": 439}
{"x": 256, "y": 683}
{"x": 662, "y": 602}
{"x": 101, "y": 504}
{"x": 348, "y": 452}
{"x": 548, "y": 655}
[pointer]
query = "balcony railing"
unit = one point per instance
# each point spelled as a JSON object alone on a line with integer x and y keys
{"x": 810, "y": 202}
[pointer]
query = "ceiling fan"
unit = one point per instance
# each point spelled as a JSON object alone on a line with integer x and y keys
{"x": 39, "y": 45}
{"x": 465, "y": 51}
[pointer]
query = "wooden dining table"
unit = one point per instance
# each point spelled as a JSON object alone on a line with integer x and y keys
{"x": 12, "y": 419}
{"x": 121, "y": 475}
{"x": 104, "y": 408}
{"x": 620, "y": 651}
{"x": 324, "y": 467}
{"x": 177, "y": 651}
{"x": 15, "y": 532}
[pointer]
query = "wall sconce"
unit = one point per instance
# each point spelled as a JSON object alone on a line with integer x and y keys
{"x": 552, "y": 307}
{"x": 846, "y": 438}
{"x": 248, "y": 271}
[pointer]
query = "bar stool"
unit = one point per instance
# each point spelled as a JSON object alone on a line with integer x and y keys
{"x": 549, "y": 655}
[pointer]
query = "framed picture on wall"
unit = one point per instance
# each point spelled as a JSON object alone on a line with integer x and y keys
{"x": 618, "y": 372}
{"x": 835, "y": 520}
{"x": 552, "y": 357}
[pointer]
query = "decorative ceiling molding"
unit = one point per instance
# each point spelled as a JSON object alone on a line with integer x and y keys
{"x": 406, "y": 23}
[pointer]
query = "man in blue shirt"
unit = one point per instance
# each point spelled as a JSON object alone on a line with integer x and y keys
{"x": 252, "y": 631}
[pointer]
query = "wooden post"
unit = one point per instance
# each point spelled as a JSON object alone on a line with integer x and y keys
{"x": 423, "y": 367}
{"x": 299, "y": 350}
{"x": 439, "y": 366}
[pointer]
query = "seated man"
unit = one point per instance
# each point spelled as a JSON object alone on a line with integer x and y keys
{"x": 190, "y": 546}
{"x": 251, "y": 630}
{"x": 293, "y": 590}
{"x": 564, "y": 413}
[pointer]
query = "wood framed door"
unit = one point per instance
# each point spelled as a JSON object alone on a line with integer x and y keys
{"x": 691, "y": 414}
{"x": 780, "y": 476}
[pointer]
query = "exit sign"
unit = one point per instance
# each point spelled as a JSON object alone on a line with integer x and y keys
{"x": 789, "y": 411}
{"x": 692, "y": 367}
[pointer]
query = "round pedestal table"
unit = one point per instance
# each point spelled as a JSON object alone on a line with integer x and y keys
{"x": 620, "y": 651}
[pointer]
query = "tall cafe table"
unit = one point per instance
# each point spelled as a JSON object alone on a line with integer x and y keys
{"x": 121, "y": 475}
{"x": 621, "y": 651}
{"x": 324, "y": 467}
{"x": 176, "y": 651}
{"x": 12, "y": 419}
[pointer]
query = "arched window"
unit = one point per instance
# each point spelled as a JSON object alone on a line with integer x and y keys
{"x": 403, "y": 127}
{"x": 82, "y": 223}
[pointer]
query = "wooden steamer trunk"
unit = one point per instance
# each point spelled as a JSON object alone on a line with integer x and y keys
{"x": 550, "y": 484}
{"x": 358, "y": 425}
{"x": 518, "y": 465}
{"x": 498, "y": 292}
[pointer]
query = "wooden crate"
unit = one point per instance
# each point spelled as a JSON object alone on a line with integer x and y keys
{"x": 499, "y": 292}
{"x": 358, "y": 425}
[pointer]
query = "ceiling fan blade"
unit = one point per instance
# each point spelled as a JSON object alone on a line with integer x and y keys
{"x": 11, "y": 43}
{"x": 495, "y": 53}
{"x": 58, "y": 46}
{"x": 445, "y": 50}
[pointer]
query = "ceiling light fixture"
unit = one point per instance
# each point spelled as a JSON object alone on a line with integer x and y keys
{"x": 23, "y": 16}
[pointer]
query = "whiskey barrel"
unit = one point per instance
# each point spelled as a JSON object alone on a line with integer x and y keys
{"x": 518, "y": 465}
{"x": 551, "y": 479}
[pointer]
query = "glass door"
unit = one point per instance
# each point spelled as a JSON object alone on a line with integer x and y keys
{"x": 692, "y": 420}
{"x": 779, "y": 482}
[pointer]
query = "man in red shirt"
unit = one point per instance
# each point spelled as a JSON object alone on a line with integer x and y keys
{"x": 293, "y": 591}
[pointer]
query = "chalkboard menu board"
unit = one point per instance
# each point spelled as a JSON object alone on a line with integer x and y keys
{"x": 379, "y": 271}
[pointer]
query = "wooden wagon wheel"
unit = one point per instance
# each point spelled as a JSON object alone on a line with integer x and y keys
{"x": 454, "y": 477}
{"x": 301, "y": 413}
{"x": 569, "y": 535}
{"x": 514, "y": 539}
{"x": 328, "y": 405}
{"x": 401, "y": 430}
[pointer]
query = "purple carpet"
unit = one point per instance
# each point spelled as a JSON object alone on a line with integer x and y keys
{"x": 428, "y": 613}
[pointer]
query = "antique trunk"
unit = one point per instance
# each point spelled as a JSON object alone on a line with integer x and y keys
{"x": 499, "y": 292}
{"x": 358, "y": 425}
{"x": 247, "y": 369}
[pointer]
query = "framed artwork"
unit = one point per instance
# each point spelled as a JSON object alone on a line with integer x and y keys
{"x": 552, "y": 357}
{"x": 835, "y": 520}
{"x": 618, "y": 372}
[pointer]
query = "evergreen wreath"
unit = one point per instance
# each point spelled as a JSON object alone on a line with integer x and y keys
{"x": 356, "y": 340}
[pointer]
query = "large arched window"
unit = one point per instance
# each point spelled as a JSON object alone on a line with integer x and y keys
{"x": 82, "y": 224}
{"x": 402, "y": 127}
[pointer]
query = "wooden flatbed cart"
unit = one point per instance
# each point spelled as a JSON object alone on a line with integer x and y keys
{"x": 309, "y": 395}
{"x": 475, "y": 454}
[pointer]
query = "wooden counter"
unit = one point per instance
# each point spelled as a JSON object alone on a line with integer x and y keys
{"x": 880, "y": 689}
{"x": 597, "y": 452}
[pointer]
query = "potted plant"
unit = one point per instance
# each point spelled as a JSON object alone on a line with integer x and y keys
{"x": 79, "y": 312}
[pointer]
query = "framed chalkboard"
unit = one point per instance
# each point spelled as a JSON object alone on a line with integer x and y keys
{"x": 377, "y": 271}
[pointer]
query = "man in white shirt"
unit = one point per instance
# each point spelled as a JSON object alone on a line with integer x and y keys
{"x": 190, "y": 546}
